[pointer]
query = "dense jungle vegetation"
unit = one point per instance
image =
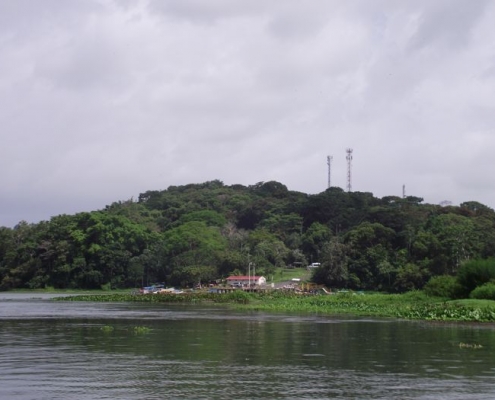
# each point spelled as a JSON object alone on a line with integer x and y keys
{"x": 201, "y": 232}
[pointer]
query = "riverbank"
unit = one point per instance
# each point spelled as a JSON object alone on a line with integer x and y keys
{"x": 412, "y": 305}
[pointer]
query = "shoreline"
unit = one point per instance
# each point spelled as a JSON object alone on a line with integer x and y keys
{"x": 408, "y": 306}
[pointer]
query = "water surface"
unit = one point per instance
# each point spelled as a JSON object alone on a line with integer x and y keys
{"x": 73, "y": 350}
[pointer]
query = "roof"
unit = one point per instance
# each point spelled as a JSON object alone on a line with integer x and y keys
{"x": 243, "y": 278}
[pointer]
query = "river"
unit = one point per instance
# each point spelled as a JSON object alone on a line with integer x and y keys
{"x": 76, "y": 350}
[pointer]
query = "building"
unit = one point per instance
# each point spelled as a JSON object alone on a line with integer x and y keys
{"x": 245, "y": 281}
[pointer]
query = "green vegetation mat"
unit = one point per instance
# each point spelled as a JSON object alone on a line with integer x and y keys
{"x": 412, "y": 305}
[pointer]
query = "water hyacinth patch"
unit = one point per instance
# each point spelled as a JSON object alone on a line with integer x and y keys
{"x": 141, "y": 329}
{"x": 412, "y": 305}
{"x": 107, "y": 328}
{"x": 470, "y": 346}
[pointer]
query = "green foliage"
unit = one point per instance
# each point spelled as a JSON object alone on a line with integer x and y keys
{"x": 268, "y": 252}
{"x": 443, "y": 286}
{"x": 485, "y": 291}
{"x": 193, "y": 251}
{"x": 413, "y": 305}
{"x": 368, "y": 247}
{"x": 415, "y": 296}
{"x": 314, "y": 239}
{"x": 188, "y": 275}
{"x": 448, "y": 312}
{"x": 107, "y": 328}
{"x": 237, "y": 296}
{"x": 477, "y": 208}
{"x": 410, "y": 277}
{"x": 333, "y": 271}
{"x": 140, "y": 330}
{"x": 209, "y": 217}
{"x": 475, "y": 273}
{"x": 457, "y": 239}
{"x": 283, "y": 225}
{"x": 474, "y": 346}
{"x": 199, "y": 232}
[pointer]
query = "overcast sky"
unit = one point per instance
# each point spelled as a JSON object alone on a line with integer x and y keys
{"x": 101, "y": 100}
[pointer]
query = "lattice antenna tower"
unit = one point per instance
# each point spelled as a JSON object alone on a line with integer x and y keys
{"x": 403, "y": 191}
{"x": 349, "y": 165}
{"x": 329, "y": 163}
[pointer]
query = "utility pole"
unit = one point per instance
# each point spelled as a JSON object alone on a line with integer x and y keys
{"x": 249, "y": 275}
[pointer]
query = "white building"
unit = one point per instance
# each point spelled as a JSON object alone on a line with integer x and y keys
{"x": 245, "y": 281}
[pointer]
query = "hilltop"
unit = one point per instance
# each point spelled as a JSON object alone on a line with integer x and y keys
{"x": 201, "y": 232}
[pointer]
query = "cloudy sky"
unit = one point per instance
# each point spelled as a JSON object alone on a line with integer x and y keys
{"x": 101, "y": 100}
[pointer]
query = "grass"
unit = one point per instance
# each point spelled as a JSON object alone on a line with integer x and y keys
{"x": 474, "y": 303}
{"x": 287, "y": 274}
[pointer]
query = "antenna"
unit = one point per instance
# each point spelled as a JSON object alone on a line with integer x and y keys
{"x": 329, "y": 163}
{"x": 349, "y": 159}
{"x": 403, "y": 191}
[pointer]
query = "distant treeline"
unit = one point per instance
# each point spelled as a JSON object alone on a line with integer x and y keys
{"x": 202, "y": 232}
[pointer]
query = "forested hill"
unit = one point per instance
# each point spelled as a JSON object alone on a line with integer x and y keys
{"x": 201, "y": 232}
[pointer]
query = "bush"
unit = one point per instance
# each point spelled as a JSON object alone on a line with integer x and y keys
{"x": 475, "y": 273}
{"x": 443, "y": 286}
{"x": 486, "y": 292}
{"x": 414, "y": 296}
{"x": 237, "y": 296}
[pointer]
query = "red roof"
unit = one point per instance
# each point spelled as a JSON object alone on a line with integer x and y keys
{"x": 243, "y": 278}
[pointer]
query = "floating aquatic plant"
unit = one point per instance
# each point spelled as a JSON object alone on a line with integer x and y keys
{"x": 470, "y": 346}
{"x": 141, "y": 329}
{"x": 107, "y": 328}
{"x": 413, "y": 305}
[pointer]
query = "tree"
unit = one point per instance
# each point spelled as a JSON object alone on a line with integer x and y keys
{"x": 333, "y": 271}
{"x": 475, "y": 273}
{"x": 477, "y": 208}
{"x": 458, "y": 240}
{"x": 314, "y": 239}
{"x": 410, "y": 277}
{"x": 193, "y": 274}
{"x": 198, "y": 231}
{"x": 210, "y": 217}
{"x": 369, "y": 246}
{"x": 267, "y": 251}
{"x": 283, "y": 225}
{"x": 193, "y": 250}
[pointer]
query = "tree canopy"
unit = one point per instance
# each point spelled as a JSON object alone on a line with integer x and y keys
{"x": 185, "y": 235}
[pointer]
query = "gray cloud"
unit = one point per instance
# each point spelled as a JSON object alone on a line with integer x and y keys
{"x": 448, "y": 23}
{"x": 101, "y": 100}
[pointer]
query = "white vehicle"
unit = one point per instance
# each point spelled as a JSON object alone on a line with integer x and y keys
{"x": 314, "y": 265}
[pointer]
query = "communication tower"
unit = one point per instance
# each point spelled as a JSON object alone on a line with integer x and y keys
{"x": 329, "y": 163}
{"x": 403, "y": 191}
{"x": 349, "y": 165}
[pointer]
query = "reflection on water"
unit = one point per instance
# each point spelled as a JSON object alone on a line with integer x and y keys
{"x": 64, "y": 350}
